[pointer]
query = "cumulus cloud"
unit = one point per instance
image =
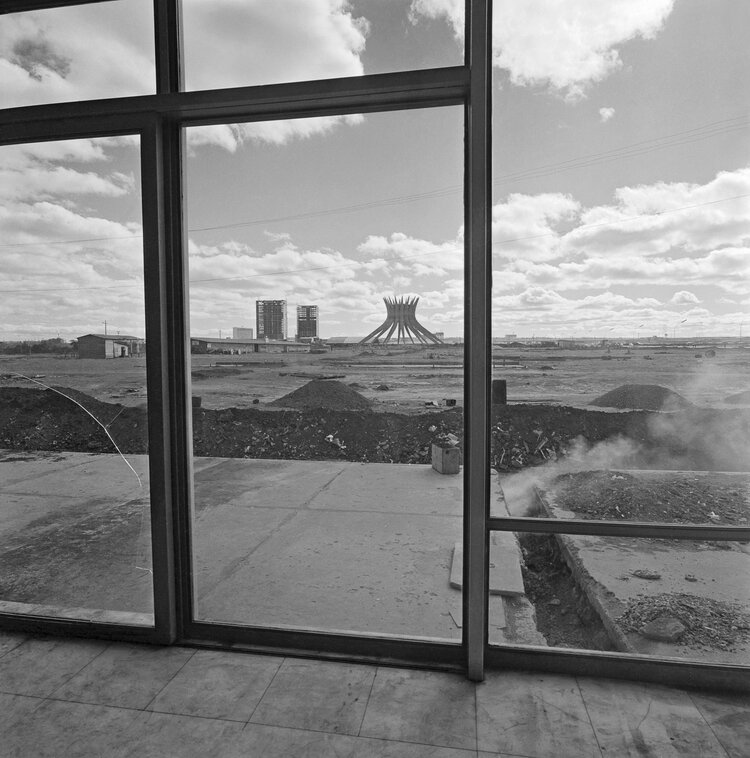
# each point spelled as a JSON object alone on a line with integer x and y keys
{"x": 420, "y": 257}
{"x": 566, "y": 46}
{"x": 666, "y": 216}
{"x": 85, "y": 264}
{"x": 77, "y": 53}
{"x": 605, "y": 114}
{"x": 684, "y": 297}
{"x": 529, "y": 226}
{"x": 235, "y": 44}
{"x": 106, "y": 50}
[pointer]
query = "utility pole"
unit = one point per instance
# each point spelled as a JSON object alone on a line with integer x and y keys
{"x": 105, "y": 328}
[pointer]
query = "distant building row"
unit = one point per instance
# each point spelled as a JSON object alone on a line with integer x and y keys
{"x": 271, "y": 320}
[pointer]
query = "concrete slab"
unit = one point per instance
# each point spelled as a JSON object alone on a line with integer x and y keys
{"x": 497, "y": 620}
{"x": 344, "y": 571}
{"x": 333, "y": 546}
{"x": 505, "y": 565}
{"x": 243, "y": 482}
{"x": 605, "y": 567}
{"x": 417, "y": 489}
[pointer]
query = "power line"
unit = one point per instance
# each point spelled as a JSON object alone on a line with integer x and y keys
{"x": 498, "y": 243}
{"x": 636, "y": 149}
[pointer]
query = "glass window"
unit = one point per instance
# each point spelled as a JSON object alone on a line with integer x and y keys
{"x": 75, "y": 537}
{"x": 620, "y": 290}
{"x": 79, "y": 52}
{"x": 326, "y": 322}
{"x": 229, "y": 44}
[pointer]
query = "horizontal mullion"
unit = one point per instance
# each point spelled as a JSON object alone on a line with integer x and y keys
{"x": 379, "y": 649}
{"x": 618, "y": 529}
{"x": 74, "y": 128}
{"x": 646, "y": 668}
{"x": 22, "y": 6}
{"x": 433, "y": 87}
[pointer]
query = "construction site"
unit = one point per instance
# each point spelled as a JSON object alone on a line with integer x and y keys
{"x": 321, "y": 499}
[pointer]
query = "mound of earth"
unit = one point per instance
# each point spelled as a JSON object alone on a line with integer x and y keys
{"x": 739, "y": 398}
{"x": 325, "y": 393}
{"x": 645, "y": 397}
{"x": 213, "y": 372}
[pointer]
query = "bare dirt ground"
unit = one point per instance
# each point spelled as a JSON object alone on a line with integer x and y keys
{"x": 549, "y": 411}
{"x": 413, "y": 376}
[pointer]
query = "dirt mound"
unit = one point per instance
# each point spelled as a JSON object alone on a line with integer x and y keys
{"x": 213, "y": 372}
{"x": 645, "y": 397}
{"x": 739, "y": 398}
{"x": 325, "y": 393}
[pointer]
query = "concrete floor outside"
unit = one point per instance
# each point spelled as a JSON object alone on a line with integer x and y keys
{"x": 322, "y": 545}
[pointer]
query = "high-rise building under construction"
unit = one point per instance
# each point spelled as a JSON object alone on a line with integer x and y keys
{"x": 270, "y": 319}
{"x": 307, "y": 322}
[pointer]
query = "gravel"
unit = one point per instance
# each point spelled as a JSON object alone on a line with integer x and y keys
{"x": 710, "y": 624}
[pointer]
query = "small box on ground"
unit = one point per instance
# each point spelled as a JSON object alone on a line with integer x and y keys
{"x": 446, "y": 459}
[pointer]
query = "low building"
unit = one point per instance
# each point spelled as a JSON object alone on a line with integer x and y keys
{"x": 242, "y": 333}
{"x": 110, "y": 346}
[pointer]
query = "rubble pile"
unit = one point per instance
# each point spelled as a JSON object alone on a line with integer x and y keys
{"x": 646, "y": 397}
{"x": 531, "y": 435}
{"x": 325, "y": 393}
{"x": 521, "y": 435}
{"x": 670, "y": 498}
{"x": 708, "y": 624}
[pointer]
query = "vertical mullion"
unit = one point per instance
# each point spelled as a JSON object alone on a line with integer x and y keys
{"x": 179, "y": 360}
{"x": 169, "y": 567}
{"x": 168, "y": 42}
{"x": 157, "y": 375}
{"x": 478, "y": 270}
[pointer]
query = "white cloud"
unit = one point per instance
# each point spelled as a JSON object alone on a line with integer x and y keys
{"x": 565, "y": 45}
{"x": 420, "y": 257}
{"x": 233, "y": 44}
{"x": 106, "y": 50}
{"x": 605, "y": 114}
{"x": 683, "y": 297}
{"x": 662, "y": 218}
{"x": 77, "y": 53}
{"x": 528, "y": 226}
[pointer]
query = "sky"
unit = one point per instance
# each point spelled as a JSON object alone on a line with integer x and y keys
{"x": 621, "y": 167}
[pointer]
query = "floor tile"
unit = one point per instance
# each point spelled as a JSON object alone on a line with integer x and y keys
{"x": 634, "y": 719}
{"x": 729, "y": 717}
{"x": 73, "y": 730}
{"x": 218, "y": 685}
{"x": 41, "y": 664}
{"x": 533, "y": 715}
{"x": 162, "y": 735}
{"x": 124, "y": 675}
{"x": 318, "y": 695}
{"x": 15, "y": 707}
{"x": 422, "y": 706}
{"x": 367, "y": 747}
{"x": 10, "y": 640}
{"x": 262, "y": 741}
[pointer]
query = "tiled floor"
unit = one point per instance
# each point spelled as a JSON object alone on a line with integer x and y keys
{"x": 64, "y": 698}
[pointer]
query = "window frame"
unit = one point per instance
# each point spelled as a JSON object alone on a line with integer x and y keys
{"x": 159, "y": 120}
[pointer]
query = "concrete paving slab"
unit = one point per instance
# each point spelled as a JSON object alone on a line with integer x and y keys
{"x": 505, "y": 567}
{"x": 497, "y": 620}
{"x": 303, "y": 544}
{"x": 334, "y": 570}
{"x": 371, "y": 487}
{"x": 241, "y": 482}
{"x": 87, "y": 476}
